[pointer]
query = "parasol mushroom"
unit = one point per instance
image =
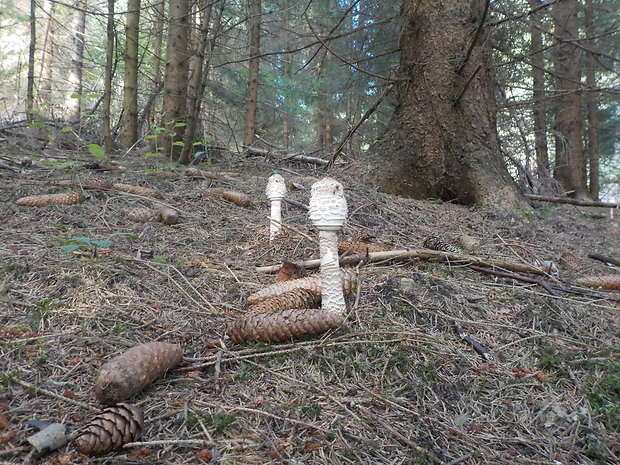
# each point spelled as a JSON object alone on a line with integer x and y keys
{"x": 328, "y": 212}
{"x": 275, "y": 191}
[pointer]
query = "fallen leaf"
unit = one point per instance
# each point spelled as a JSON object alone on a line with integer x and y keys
{"x": 289, "y": 271}
{"x": 521, "y": 372}
{"x": 7, "y": 436}
{"x": 542, "y": 377}
{"x": 140, "y": 453}
{"x": 69, "y": 394}
{"x": 3, "y": 422}
{"x": 312, "y": 446}
{"x": 204, "y": 455}
{"x": 277, "y": 451}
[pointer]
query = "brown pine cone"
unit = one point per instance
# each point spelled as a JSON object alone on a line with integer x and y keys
{"x": 89, "y": 182}
{"x": 283, "y": 325}
{"x": 144, "y": 215}
{"x": 195, "y": 172}
{"x": 437, "y": 243}
{"x": 43, "y": 200}
{"x": 609, "y": 282}
{"x": 311, "y": 283}
{"x": 238, "y": 198}
{"x": 109, "y": 430}
{"x": 297, "y": 298}
{"x": 137, "y": 190}
{"x": 569, "y": 261}
{"x": 129, "y": 373}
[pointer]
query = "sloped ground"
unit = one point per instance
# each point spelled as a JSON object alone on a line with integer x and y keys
{"x": 395, "y": 385}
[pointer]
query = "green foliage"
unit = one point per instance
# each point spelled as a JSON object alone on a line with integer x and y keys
{"x": 220, "y": 421}
{"x": 91, "y": 244}
{"x": 604, "y": 394}
{"x": 96, "y": 151}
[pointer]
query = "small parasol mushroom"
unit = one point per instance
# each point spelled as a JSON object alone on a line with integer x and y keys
{"x": 328, "y": 212}
{"x": 275, "y": 191}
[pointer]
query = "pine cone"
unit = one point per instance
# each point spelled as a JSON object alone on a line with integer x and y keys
{"x": 311, "y": 283}
{"x": 133, "y": 370}
{"x": 90, "y": 182}
{"x": 437, "y": 243}
{"x": 137, "y": 190}
{"x": 360, "y": 247}
{"x": 609, "y": 282}
{"x": 168, "y": 215}
{"x": 283, "y": 326}
{"x": 238, "y": 198}
{"x": 297, "y": 298}
{"x": 144, "y": 215}
{"x": 289, "y": 271}
{"x": 200, "y": 173}
{"x": 214, "y": 191}
{"x": 569, "y": 261}
{"x": 109, "y": 430}
{"x": 43, "y": 200}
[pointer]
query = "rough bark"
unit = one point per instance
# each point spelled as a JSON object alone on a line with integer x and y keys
{"x": 569, "y": 160}
{"x": 286, "y": 69}
{"x": 252, "y": 93}
{"x": 31, "y": 52}
{"x": 442, "y": 140}
{"x": 130, "y": 83}
{"x": 108, "y": 141}
{"x": 592, "y": 107}
{"x": 174, "y": 112}
{"x": 73, "y": 99}
{"x": 538, "y": 93}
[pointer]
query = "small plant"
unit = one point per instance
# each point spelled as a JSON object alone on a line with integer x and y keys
{"x": 156, "y": 131}
{"x": 311, "y": 410}
{"x": 604, "y": 395}
{"x": 90, "y": 244}
{"x": 220, "y": 421}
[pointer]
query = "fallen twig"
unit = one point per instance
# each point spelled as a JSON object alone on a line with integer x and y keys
{"x": 300, "y": 156}
{"x": 604, "y": 259}
{"x": 424, "y": 254}
{"x": 581, "y": 203}
{"x": 479, "y": 348}
{"x": 526, "y": 279}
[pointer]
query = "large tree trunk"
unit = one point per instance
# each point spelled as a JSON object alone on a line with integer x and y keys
{"x": 538, "y": 93}
{"x": 45, "y": 87}
{"x": 174, "y": 111}
{"x": 73, "y": 98}
{"x": 252, "y": 94}
{"x": 31, "y": 53}
{"x": 156, "y": 84}
{"x": 592, "y": 106}
{"x": 442, "y": 140}
{"x": 108, "y": 141}
{"x": 130, "y": 85}
{"x": 569, "y": 160}
{"x": 286, "y": 70}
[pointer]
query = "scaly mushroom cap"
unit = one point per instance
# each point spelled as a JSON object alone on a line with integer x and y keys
{"x": 276, "y": 187}
{"x": 328, "y": 205}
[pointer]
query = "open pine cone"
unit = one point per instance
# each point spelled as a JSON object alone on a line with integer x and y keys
{"x": 109, "y": 430}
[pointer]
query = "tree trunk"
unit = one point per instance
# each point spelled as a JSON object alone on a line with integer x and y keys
{"x": 569, "y": 160}
{"x": 45, "y": 86}
{"x": 538, "y": 93}
{"x": 31, "y": 53}
{"x": 130, "y": 85}
{"x": 592, "y": 106}
{"x": 174, "y": 111}
{"x": 286, "y": 70}
{"x": 158, "y": 31}
{"x": 73, "y": 98}
{"x": 252, "y": 94}
{"x": 198, "y": 80}
{"x": 442, "y": 139}
{"x": 108, "y": 140}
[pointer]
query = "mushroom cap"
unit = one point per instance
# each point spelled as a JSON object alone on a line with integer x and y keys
{"x": 276, "y": 187}
{"x": 328, "y": 205}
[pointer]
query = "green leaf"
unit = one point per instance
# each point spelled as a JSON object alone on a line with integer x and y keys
{"x": 38, "y": 124}
{"x": 78, "y": 96}
{"x": 96, "y": 151}
{"x": 67, "y": 249}
{"x": 197, "y": 154}
{"x": 93, "y": 95}
{"x": 104, "y": 244}
{"x": 180, "y": 125}
{"x": 179, "y": 143}
{"x": 64, "y": 165}
{"x": 151, "y": 136}
{"x": 151, "y": 154}
{"x": 66, "y": 129}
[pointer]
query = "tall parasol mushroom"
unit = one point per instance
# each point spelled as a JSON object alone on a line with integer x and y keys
{"x": 275, "y": 191}
{"x": 328, "y": 212}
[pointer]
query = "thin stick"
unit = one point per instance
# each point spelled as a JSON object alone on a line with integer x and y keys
{"x": 526, "y": 279}
{"x": 77, "y": 403}
{"x": 604, "y": 259}
{"x": 581, "y": 203}
{"x": 425, "y": 254}
{"x": 171, "y": 442}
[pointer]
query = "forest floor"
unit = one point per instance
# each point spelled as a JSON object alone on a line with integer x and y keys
{"x": 394, "y": 384}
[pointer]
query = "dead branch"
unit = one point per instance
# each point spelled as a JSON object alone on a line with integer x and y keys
{"x": 423, "y": 254}
{"x": 300, "y": 156}
{"x": 581, "y": 203}
{"x": 526, "y": 279}
{"x": 604, "y": 259}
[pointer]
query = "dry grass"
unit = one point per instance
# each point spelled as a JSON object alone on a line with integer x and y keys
{"x": 395, "y": 385}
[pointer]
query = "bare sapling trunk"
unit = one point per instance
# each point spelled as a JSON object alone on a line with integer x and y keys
{"x": 31, "y": 52}
{"x": 151, "y": 110}
{"x": 252, "y": 93}
{"x": 73, "y": 99}
{"x": 130, "y": 85}
{"x": 592, "y": 107}
{"x": 45, "y": 79}
{"x": 108, "y": 140}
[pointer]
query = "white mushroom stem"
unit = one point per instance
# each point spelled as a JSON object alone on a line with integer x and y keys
{"x": 328, "y": 212}
{"x": 275, "y": 191}
{"x": 332, "y": 295}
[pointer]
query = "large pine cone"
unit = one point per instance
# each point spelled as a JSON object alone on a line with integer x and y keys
{"x": 69, "y": 198}
{"x": 609, "y": 282}
{"x": 137, "y": 190}
{"x": 133, "y": 370}
{"x": 297, "y": 298}
{"x": 89, "y": 182}
{"x": 283, "y": 326}
{"x": 144, "y": 215}
{"x": 311, "y": 283}
{"x": 109, "y": 430}
{"x": 437, "y": 243}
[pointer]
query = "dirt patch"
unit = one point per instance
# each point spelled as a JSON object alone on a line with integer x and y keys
{"x": 394, "y": 385}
